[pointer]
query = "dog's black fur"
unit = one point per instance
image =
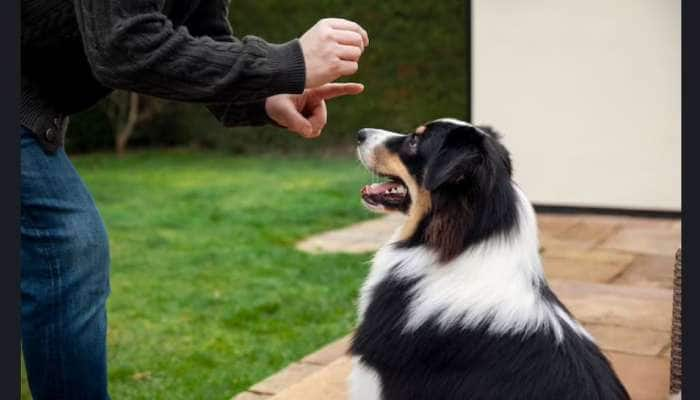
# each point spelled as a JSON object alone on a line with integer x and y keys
{"x": 468, "y": 173}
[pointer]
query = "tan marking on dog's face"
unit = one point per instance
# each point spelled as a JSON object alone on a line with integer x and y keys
{"x": 390, "y": 164}
{"x": 420, "y": 130}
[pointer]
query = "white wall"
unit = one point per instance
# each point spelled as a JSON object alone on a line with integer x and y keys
{"x": 587, "y": 95}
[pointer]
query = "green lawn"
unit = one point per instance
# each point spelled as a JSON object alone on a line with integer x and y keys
{"x": 208, "y": 293}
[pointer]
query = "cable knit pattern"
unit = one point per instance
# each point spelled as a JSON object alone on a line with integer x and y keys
{"x": 176, "y": 49}
{"x": 132, "y": 45}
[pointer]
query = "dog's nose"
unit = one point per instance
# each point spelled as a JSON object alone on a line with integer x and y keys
{"x": 362, "y": 135}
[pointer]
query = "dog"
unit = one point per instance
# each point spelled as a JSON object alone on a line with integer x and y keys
{"x": 456, "y": 305}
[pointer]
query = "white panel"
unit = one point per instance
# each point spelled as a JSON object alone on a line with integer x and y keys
{"x": 587, "y": 95}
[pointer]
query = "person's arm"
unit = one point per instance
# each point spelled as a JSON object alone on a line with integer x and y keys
{"x": 240, "y": 114}
{"x": 211, "y": 19}
{"x": 132, "y": 45}
{"x": 281, "y": 110}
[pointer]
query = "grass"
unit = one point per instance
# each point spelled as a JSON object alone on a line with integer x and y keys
{"x": 208, "y": 293}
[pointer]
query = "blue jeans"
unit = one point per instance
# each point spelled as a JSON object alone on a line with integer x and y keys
{"x": 64, "y": 279}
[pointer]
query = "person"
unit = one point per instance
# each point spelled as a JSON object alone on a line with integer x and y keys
{"x": 75, "y": 53}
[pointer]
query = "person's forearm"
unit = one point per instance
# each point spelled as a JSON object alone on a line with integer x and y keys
{"x": 131, "y": 45}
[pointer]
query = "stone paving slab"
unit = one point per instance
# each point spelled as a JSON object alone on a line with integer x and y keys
{"x": 633, "y": 307}
{"x": 648, "y": 271}
{"x": 330, "y": 383}
{"x": 557, "y": 223}
{"x": 330, "y": 352}
{"x": 587, "y": 234}
{"x": 252, "y": 396}
{"x": 585, "y": 265}
{"x": 663, "y": 242}
{"x": 281, "y": 380}
{"x": 635, "y": 341}
{"x": 646, "y": 378}
{"x": 364, "y": 237}
{"x": 297, "y": 371}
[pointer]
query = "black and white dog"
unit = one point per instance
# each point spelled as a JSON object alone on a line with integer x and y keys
{"x": 456, "y": 305}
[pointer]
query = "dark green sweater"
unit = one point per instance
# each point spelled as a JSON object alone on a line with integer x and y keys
{"x": 75, "y": 52}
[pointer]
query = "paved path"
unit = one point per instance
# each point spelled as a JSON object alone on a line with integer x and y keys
{"x": 363, "y": 237}
{"x": 613, "y": 273}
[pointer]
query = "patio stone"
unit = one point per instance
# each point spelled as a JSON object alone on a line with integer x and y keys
{"x": 282, "y": 379}
{"x": 667, "y": 352}
{"x": 634, "y": 222}
{"x": 585, "y": 234}
{"x": 662, "y": 242}
{"x": 554, "y": 223}
{"x": 643, "y": 342}
{"x": 632, "y": 307}
{"x": 364, "y": 237}
{"x": 646, "y": 378}
{"x": 330, "y": 383}
{"x": 330, "y": 352}
{"x": 252, "y": 396}
{"x": 584, "y": 265}
{"x": 677, "y": 227}
{"x": 649, "y": 271}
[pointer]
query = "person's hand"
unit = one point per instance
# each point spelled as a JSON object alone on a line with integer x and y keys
{"x": 332, "y": 48}
{"x": 305, "y": 113}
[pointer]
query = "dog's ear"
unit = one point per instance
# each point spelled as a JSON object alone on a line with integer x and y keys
{"x": 458, "y": 156}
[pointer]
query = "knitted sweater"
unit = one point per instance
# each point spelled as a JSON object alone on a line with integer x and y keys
{"x": 75, "y": 52}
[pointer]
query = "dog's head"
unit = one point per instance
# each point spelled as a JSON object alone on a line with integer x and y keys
{"x": 453, "y": 179}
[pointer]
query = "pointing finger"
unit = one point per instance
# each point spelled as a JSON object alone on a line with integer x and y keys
{"x": 331, "y": 90}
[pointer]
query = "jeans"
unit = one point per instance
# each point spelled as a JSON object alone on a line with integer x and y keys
{"x": 64, "y": 279}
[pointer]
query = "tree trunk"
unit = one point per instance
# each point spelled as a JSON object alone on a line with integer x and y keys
{"x": 122, "y": 137}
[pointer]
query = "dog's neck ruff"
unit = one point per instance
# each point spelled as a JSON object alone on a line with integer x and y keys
{"x": 497, "y": 283}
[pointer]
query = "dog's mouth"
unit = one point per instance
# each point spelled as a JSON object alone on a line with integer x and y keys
{"x": 391, "y": 195}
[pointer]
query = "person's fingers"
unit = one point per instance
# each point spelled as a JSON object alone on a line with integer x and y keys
{"x": 344, "y": 24}
{"x": 331, "y": 90}
{"x": 295, "y": 122}
{"x": 345, "y": 68}
{"x": 349, "y": 53}
{"x": 349, "y": 38}
{"x": 318, "y": 119}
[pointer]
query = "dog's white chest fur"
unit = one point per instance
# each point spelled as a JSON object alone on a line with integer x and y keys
{"x": 364, "y": 382}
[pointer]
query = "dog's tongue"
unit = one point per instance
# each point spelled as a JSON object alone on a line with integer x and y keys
{"x": 382, "y": 188}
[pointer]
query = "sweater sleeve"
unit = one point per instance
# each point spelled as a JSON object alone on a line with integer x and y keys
{"x": 242, "y": 114}
{"x": 132, "y": 45}
{"x": 207, "y": 21}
